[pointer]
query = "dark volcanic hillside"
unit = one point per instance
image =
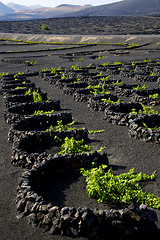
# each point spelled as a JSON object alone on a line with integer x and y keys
{"x": 86, "y": 25}
{"x": 125, "y": 7}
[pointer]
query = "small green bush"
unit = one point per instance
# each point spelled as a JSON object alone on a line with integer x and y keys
{"x": 41, "y": 112}
{"x": 20, "y": 88}
{"x": 44, "y": 27}
{"x": 154, "y": 96}
{"x": 110, "y": 101}
{"x": 74, "y": 146}
{"x": 145, "y": 125}
{"x": 118, "y": 82}
{"x": 146, "y": 110}
{"x": 36, "y": 96}
{"x": 76, "y": 67}
{"x": 124, "y": 188}
{"x": 60, "y": 127}
{"x": 139, "y": 87}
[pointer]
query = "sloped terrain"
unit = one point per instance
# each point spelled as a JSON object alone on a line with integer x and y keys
{"x": 125, "y": 7}
{"x": 86, "y": 26}
{"x": 5, "y": 10}
{"x": 84, "y": 62}
{"x": 120, "y": 8}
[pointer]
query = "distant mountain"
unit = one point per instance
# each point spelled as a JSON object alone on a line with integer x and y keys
{"x": 18, "y": 7}
{"x": 4, "y": 9}
{"x": 44, "y": 12}
{"x": 124, "y": 7}
{"x": 59, "y": 10}
{"x": 36, "y": 6}
{"x": 68, "y": 5}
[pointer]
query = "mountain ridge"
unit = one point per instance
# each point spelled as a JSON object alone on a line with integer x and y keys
{"x": 20, "y": 7}
{"x": 121, "y": 8}
{"x": 125, "y": 7}
{"x": 5, "y": 9}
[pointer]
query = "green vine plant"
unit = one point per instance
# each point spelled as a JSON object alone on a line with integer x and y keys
{"x": 41, "y": 112}
{"x": 132, "y": 45}
{"x": 19, "y": 88}
{"x": 60, "y": 127}
{"x": 56, "y": 70}
{"x": 74, "y": 146}
{"x": 71, "y": 145}
{"x": 76, "y": 67}
{"x": 58, "y": 75}
{"x": 89, "y": 65}
{"x": 147, "y": 60}
{"x": 29, "y": 92}
{"x": 121, "y": 189}
{"x": 121, "y": 69}
{"x": 110, "y": 101}
{"x": 117, "y": 63}
{"x": 44, "y": 27}
{"x": 53, "y": 70}
{"x": 37, "y": 50}
{"x": 145, "y": 111}
{"x": 77, "y": 80}
{"x": 3, "y": 74}
{"x": 139, "y": 87}
{"x": 96, "y": 131}
{"x": 118, "y": 82}
{"x": 17, "y": 75}
{"x": 105, "y": 64}
{"x": 152, "y": 74}
{"x": 145, "y": 125}
{"x": 134, "y": 63}
{"x": 100, "y": 74}
{"x": 154, "y": 96}
{"x": 96, "y": 86}
{"x": 63, "y": 76}
{"x": 8, "y": 39}
{"x": 36, "y": 96}
{"x": 100, "y": 57}
{"x": 98, "y": 92}
{"x": 77, "y": 59}
{"x": 105, "y": 78}
{"x": 31, "y": 63}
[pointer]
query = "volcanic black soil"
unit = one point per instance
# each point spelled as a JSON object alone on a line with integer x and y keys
{"x": 123, "y": 152}
{"x": 86, "y": 25}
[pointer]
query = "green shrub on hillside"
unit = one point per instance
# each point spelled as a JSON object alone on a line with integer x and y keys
{"x": 44, "y": 27}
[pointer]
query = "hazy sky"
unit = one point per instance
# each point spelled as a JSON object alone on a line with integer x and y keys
{"x": 50, "y": 3}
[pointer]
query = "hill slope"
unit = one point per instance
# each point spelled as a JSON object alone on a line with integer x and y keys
{"x": 44, "y": 12}
{"x": 58, "y": 11}
{"x": 122, "y": 8}
{"x": 18, "y": 7}
{"x": 125, "y": 7}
